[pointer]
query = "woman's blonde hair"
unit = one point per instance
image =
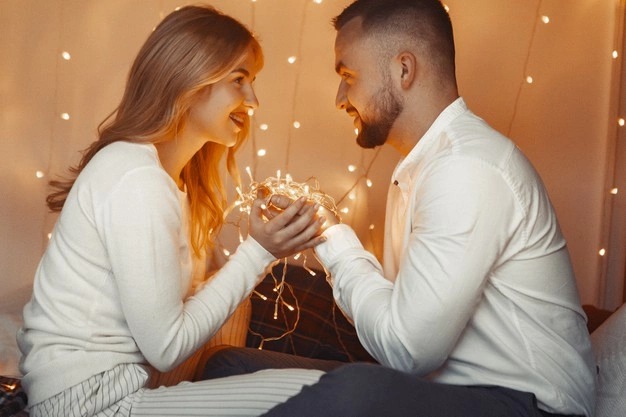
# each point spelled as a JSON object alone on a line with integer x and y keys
{"x": 192, "y": 48}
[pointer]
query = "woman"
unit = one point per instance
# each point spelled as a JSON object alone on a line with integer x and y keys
{"x": 112, "y": 292}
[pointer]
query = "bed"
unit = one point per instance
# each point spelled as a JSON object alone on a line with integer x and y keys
{"x": 321, "y": 332}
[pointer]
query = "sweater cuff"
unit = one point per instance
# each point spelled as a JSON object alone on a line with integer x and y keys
{"x": 257, "y": 253}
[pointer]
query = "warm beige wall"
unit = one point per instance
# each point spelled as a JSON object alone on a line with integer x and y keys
{"x": 562, "y": 121}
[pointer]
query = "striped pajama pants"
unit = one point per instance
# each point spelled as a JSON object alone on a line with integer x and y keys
{"x": 120, "y": 392}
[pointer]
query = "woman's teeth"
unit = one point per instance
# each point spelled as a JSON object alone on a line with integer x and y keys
{"x": 237, "y": 119}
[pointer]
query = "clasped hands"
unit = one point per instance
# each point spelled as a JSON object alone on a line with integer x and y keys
{"x": 285, "y": 227}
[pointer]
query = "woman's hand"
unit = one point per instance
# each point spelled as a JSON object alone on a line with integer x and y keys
{"x": 288, "y": 231}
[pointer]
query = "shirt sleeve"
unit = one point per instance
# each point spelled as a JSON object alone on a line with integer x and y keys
{"x": 463, "y": 215}
{"x": 143, "y": 233}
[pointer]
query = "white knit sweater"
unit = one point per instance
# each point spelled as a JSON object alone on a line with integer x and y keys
{"x": 114, "y": 283}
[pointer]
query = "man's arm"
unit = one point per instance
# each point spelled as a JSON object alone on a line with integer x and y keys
{"x": 461, "y": 221}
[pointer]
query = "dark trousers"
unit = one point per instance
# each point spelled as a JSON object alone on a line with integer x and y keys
{"x": 364, "y": 390}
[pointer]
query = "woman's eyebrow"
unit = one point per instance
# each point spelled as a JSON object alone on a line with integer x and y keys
{"x": 243, "y": 71}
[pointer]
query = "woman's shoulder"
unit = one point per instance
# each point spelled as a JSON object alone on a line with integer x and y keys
{"x": 136, "y": 153}
{"x": 122, "y": 156}
{"x": 117, "y": 160}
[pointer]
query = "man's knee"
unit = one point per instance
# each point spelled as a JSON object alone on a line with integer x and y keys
{"x": 221, "y": 361}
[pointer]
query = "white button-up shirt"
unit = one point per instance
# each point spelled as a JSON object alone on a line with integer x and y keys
{"x": 477, "y": 286}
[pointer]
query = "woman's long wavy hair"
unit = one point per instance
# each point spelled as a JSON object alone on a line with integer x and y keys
{"x": 192, "y": 48}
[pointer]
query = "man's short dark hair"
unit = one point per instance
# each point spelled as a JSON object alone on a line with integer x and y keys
{"x": 425, "y": 21}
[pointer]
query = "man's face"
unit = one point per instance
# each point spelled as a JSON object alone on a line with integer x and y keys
{"x": 366, "y": 91}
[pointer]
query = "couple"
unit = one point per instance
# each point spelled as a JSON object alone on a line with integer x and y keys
{"x": 474, "y": 313}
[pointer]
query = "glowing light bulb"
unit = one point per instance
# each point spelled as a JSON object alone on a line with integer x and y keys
{"x": 65, "y": 116}
{"x": 261, "y": 152}
{"x": 66, "y": 55}
{"x": 345, "y": 210}
{"x": 529, "y": 79}
{"x": 351, "y": 168}
{"x": 602, "y": 252}
{"x": 263, "y": 126}
{"x": 615, "y": 54}
{"x": 369, "y": 183}
{"x": 291, "y": 59}
{"x": 545, "y": 19}
{"x": 352, "y": 195}
{"x": 621, "y": 121}
{"x": 39, "y": 174}
{"x": 296, "y": 124}
{"x": 250, "y": 112}
{"x": 318, "y": 1}
{"x": 372, "y": 226}
{"x": 614, "y": 191}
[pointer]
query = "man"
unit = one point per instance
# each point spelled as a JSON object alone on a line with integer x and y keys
{"x": 476, "y": 311}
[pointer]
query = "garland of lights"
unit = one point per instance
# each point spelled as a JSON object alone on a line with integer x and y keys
{"x": 266, "y": 189}
{"x": 283, "y": 186}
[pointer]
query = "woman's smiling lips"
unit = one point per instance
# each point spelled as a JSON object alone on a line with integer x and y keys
{"x": 238, "y": 119}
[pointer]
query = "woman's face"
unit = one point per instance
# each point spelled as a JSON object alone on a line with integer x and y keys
{"x": 220, "y": 110}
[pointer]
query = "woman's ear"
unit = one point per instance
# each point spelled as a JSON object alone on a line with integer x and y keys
{"x": 406, "y": 69}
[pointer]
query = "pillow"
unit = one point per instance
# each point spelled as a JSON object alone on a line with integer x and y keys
{"x": 609, "y": 346}
{"x": 9, "y": 353}
{"x": 11, "y": 304}
{"x": 321, "y": 330}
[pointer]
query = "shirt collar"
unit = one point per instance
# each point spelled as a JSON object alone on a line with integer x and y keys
{"x": 402, "y": 174}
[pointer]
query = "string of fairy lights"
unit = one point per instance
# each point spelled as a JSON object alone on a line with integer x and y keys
{"x": 284, "y": 183}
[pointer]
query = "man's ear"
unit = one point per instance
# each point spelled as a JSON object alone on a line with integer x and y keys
{"x": 406, "y": 69}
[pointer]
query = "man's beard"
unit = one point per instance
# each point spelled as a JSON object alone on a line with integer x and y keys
{"x": 385, "y": 109}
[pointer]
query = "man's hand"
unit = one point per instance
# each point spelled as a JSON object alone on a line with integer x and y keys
{"x": 290, "y": 228}
{"x": 329, "y": 216}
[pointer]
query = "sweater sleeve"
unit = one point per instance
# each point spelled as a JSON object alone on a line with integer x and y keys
{"x": 141, "y": 225}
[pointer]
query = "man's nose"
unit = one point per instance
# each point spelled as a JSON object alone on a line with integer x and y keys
{"x": 340, "y": 100}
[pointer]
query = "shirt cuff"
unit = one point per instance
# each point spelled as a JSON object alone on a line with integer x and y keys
{"x": 339, "y": 238}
